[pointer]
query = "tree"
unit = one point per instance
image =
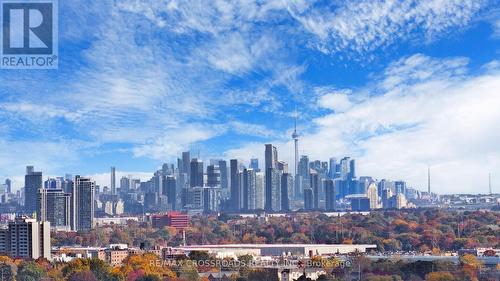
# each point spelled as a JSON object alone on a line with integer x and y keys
{"x": 85, "y": 275}
{"x": 439, "y": 276}
{"x": 470, "y": 260}
{"x": 7, "y": 272}
{"x": 199, "y": 256}
{"x": 149, "y": 277}
{"x": 189, "y": 272}
{"x": 101, "y": 269}
{"x": 30, "y": 272}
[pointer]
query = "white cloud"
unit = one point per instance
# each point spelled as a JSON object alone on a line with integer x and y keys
{"x": 339, "y": 102}
{"x": 448, "y": 122}
{"x": 251, "y": 129}
{"x": 172, "y": 143}
{"x": 47, "y": 156}
{"x": 363, "y": 26}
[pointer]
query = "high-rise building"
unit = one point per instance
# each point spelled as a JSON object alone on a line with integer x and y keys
{"x": 195, "y": 198}
{"x": 282, "y": 166}
{"x": 308, "y": 199}
{"x": 167, "y": 169}
{"x": 235, "y": 185}
{"x": 244, "y": 189}
{"x": 271, "y": 163}
{"x": 363, "y": 184}
{"x": 32, "y": 182}
{"x": 113, "y": 180}
{"x": 196, "y": 172}
{"x": 213, "y": 176}
{"x": 211, "y": 199}
{"x": 352, "y": 169}
{"x": 372, "y": 194}
{"x": 386, "y": 184}
{"x": 314, "y": 184}
{"x": 53, "y": 183}
{"x": 223, "y": 174}
{"x": 26, "y": 238}
{"x": 181, "y": 185}
{"x": 400, "y": 187}
{"x": 271, "y": 155}
{"x": 386, "y": 196}
{"x": 55, "y": 207}
{"x": 124, "y": 183}
{"x": 252, "y": 189}
{"x": 303, "y": 172}
{"x": 186, "y": 160}
{"x": 254, "y": 164}
{"x": 286, "y": 191}
{"x": 329, "y": 195}
{"x": 332, "y": 168}
{"x": 83, "y": 203}
{"x": 276, "y": 176}
{"x": 8, "y": 185}
{"x": 170, "y": 191}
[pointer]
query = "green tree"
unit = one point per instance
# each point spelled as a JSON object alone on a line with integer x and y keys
{"x": 6, "y": 272}
{"x": 30, "y": 271}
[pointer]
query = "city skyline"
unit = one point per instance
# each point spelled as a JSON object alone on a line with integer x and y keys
{"x": 400, "y": 86}
{"x": 107, "y": 179}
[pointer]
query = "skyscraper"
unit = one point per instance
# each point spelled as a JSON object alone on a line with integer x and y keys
{"x": 213, "y": 175}
{"x": 308, "y": 199}
{"x": 55, "y": 207}
{"x": 113, "y": 180}
{"x": 400, "y": 187}
{"x": 255, "y": 189}
{"x": 372, "y": 194}
{"x": 330, "y": 195}
{"x": 286, "y": 191}
{"x": 303, "y": 172}
{"x": 276, "y": 199}
{"x": 271, "y": 157}
{"x": 223, "y": 174}
{"x": 186, "y": 160}
{"x": 314, "y": 178}
{"x": 235, "y": 186}
{"x": 244, "y": 188}
{"x": 333, "y": 168}
{"x": 32, "y": 182}
{"x": 211, "y": 199}
{"x": 8, "y": 184}
{"x": 83, "y": 203}
{"x": 254, "y": 164}
{"x": 124, "y": 184}
{"x": 170, "y": 191}
{"x": 196, "y": 173}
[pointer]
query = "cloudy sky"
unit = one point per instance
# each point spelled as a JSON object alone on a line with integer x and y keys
{"x": 399, "y": 85}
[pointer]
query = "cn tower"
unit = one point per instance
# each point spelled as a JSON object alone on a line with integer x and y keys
{"x": 295, "y": 138}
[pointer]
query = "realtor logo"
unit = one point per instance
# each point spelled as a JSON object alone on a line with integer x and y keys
{"x": 29, "y": 34}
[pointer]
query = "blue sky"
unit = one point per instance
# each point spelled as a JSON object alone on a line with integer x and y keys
{"x": 399, "y": 85}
